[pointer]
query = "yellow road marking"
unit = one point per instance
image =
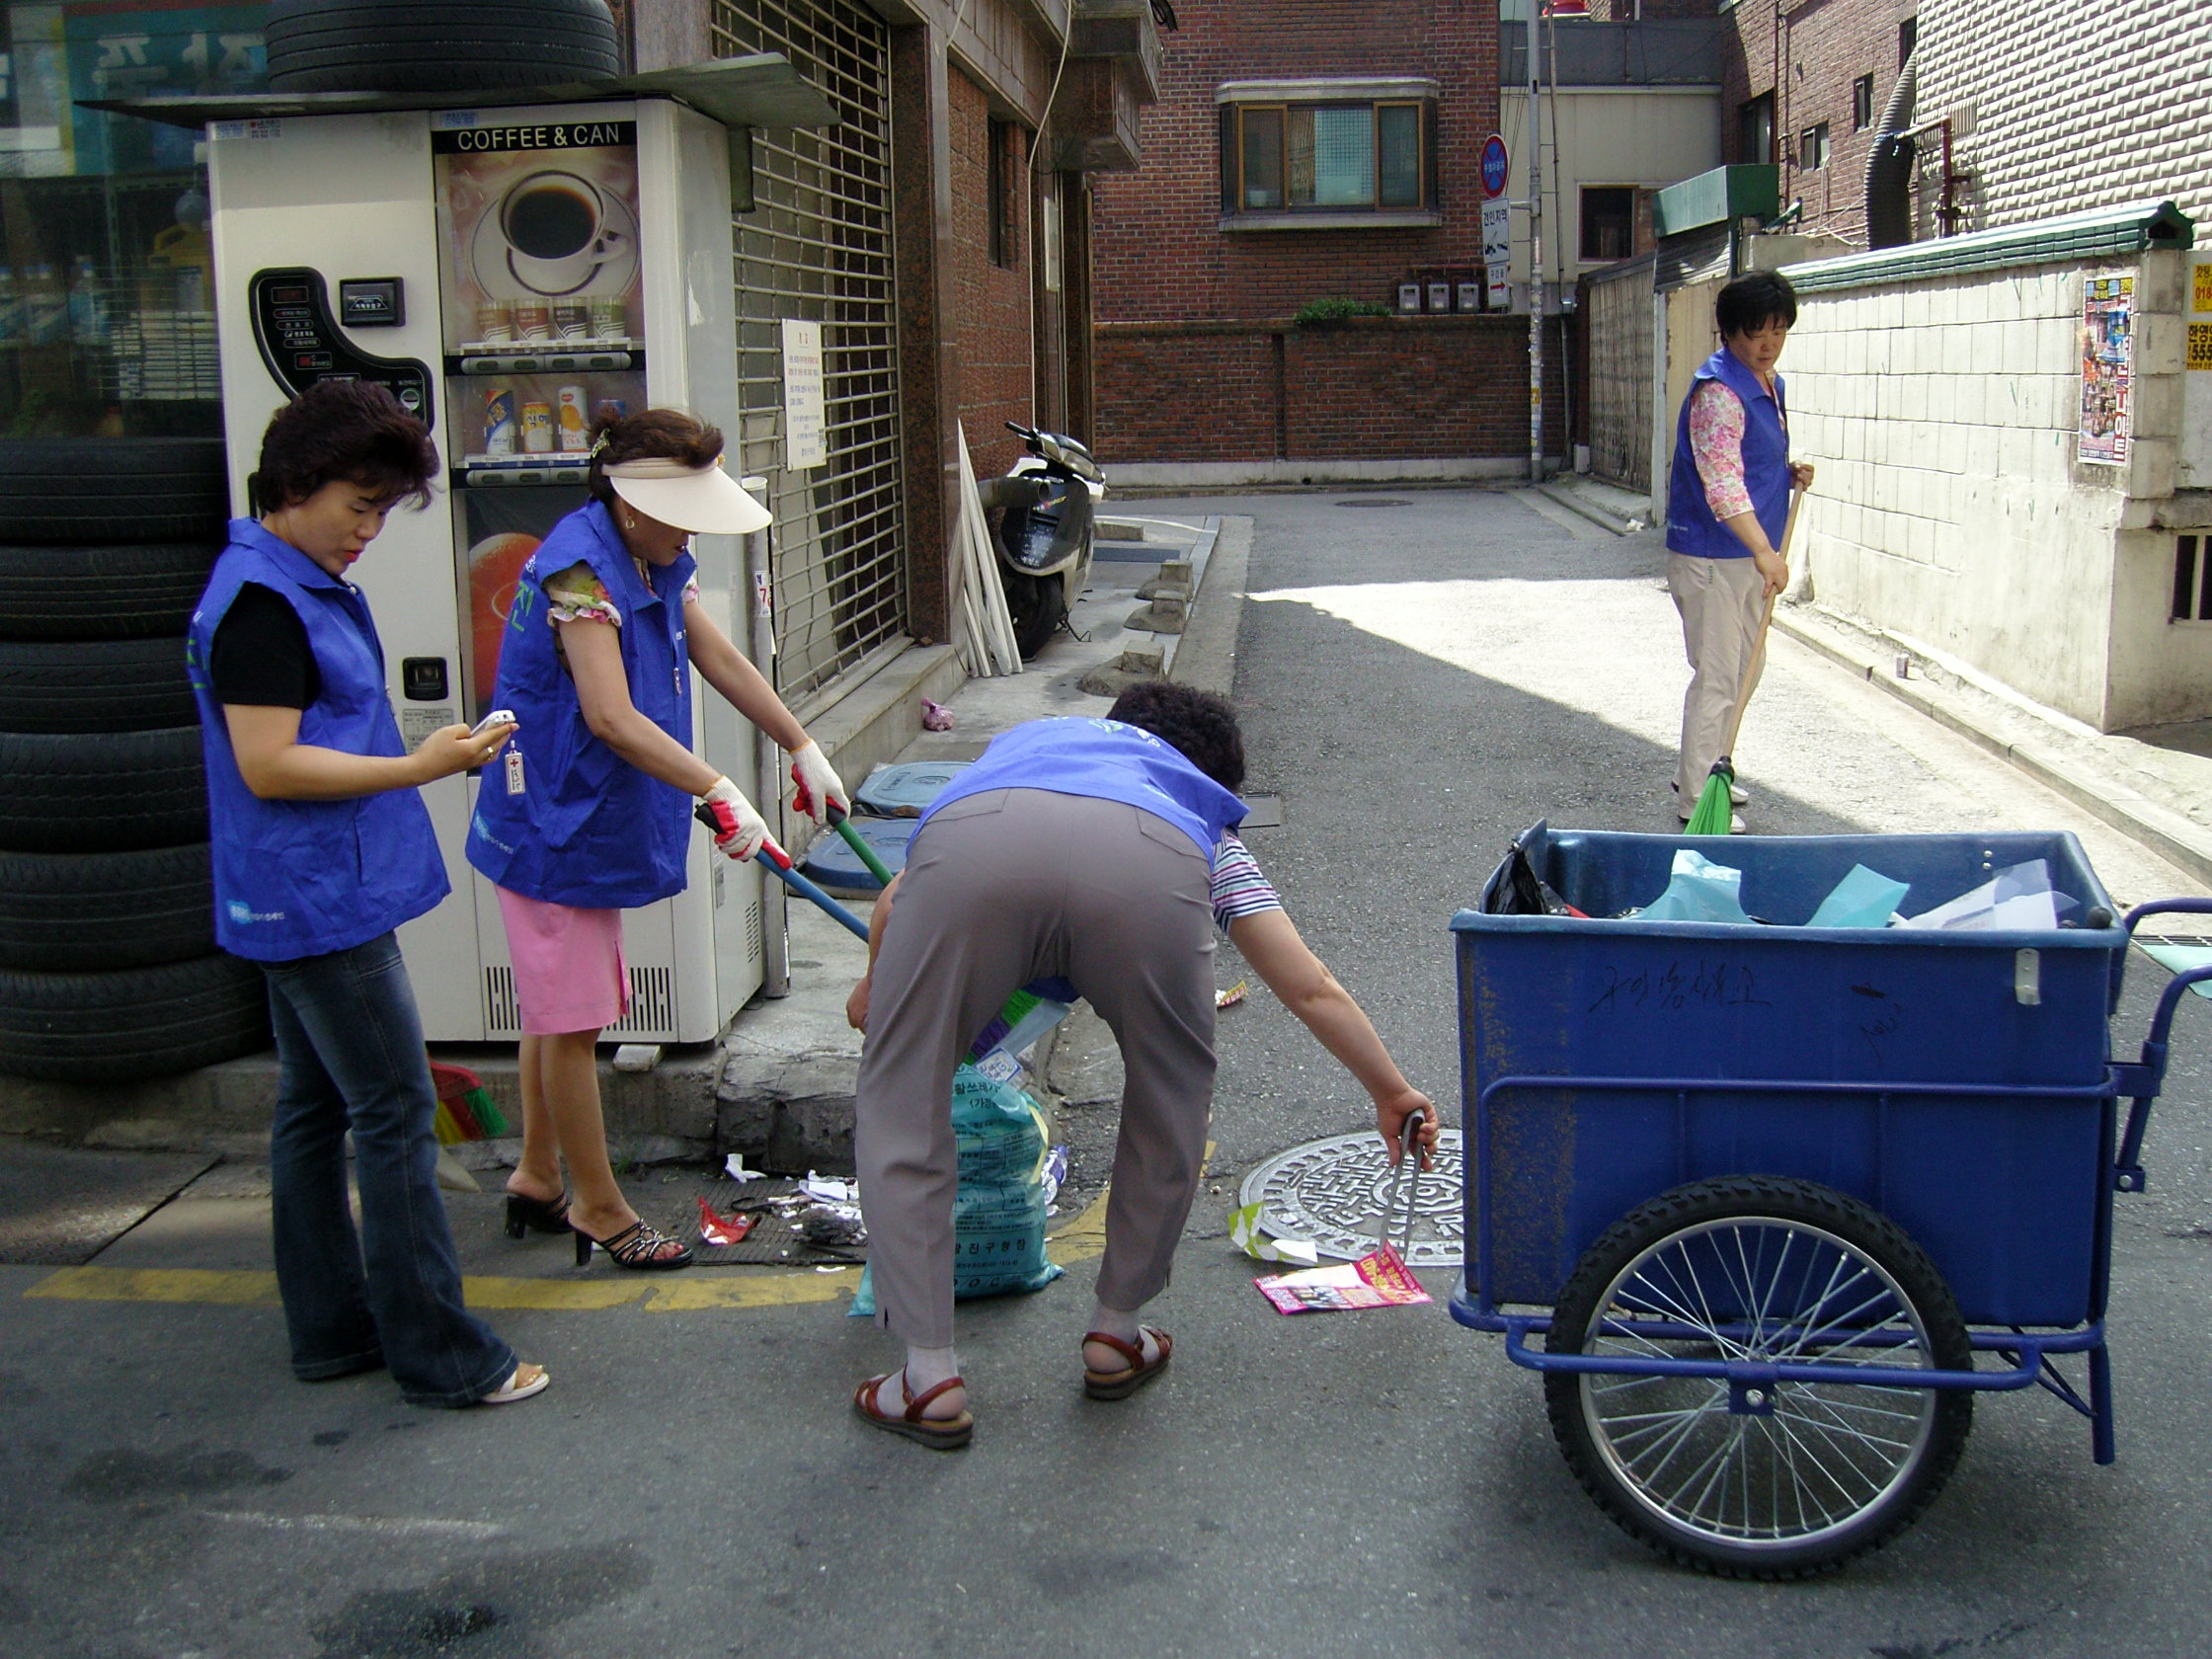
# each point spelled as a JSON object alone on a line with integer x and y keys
{"x": 205, "y": 1287}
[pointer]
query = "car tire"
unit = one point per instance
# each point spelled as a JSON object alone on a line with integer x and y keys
{"x": 118, "y": 792}
{"x": 93, "y": 685}
{"x": 94, "y": 490}
{"x": 119, "y": 1027}
{"x": 88, "y": 913}
{"x": 362, "y": 45}
{"x": 77, "y": 593}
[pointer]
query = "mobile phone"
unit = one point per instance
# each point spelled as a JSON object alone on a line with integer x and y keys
{"x": 497, "y": 717}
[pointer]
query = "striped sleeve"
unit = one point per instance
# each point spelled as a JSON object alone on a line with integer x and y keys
{"x": 1239, "y": 890}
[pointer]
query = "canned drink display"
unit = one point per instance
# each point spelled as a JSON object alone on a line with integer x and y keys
{"x": 610, "y": 319}
{"x": 534, "y": 320}
{"x": 572, "y": 320}
{"x": 612, "y": 409}
{"x": 537, "y": 428}
{"x": 575, "y": 437}
{"x": 495, "y": 322}
{"x": 499, "y": 421}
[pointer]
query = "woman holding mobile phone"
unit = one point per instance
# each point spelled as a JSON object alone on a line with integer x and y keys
{"x": 321, "y": 849}
{"x": 588, "y": 813}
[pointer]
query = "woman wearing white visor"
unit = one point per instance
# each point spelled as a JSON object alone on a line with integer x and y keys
{"x": 587, "y": 811}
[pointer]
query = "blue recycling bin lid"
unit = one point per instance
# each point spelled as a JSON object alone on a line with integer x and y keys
{"x": 832, "y": 864}
{"x": 906, "y": 790}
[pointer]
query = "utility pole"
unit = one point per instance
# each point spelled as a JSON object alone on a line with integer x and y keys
{"x": 1535, "y": 261}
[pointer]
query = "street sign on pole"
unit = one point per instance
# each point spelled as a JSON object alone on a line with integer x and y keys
{"x": 1497, "y": 249}
{"x": 1493, "y": 165}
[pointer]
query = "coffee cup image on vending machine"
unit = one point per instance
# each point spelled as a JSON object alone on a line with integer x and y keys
{"x": 553, "y": 233}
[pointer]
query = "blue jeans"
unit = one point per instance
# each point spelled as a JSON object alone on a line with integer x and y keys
{"x": 351, "y": 1047}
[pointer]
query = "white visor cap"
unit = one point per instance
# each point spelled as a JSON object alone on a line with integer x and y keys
{"x": 704, "y": 500}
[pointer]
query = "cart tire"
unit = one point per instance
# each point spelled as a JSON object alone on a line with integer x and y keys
{"x": 90, "y": 491}
{"x": 1838, "y": 1468}
{"x": 151, "y": 1022}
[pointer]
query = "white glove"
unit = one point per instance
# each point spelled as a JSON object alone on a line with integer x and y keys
{"x": 818, "y": 781}
{"x": 739, "y": 829}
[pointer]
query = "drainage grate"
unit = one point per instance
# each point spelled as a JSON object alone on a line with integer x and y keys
{"x": 1333, "y": 1193}
{"x": 1376, "y": 501}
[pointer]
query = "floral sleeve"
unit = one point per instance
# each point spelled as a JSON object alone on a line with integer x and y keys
{"x": 1716, "y": 444}
{"x": 576, "y": 596}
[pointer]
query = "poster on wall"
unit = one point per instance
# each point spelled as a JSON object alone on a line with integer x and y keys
{"x": 2107, "y": 368}
{"x": 539, "y": 223}
{"x": 502, "y": 528}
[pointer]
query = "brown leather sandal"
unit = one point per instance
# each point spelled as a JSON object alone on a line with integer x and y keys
{"x": 941, "y": 1434}
{"x": 1120, "y": 1384}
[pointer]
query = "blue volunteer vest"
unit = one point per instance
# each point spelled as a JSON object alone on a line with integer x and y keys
{"x": 304, "y": 878}
{"x": 588, "y": 828}
{"x": 1107, "y": 761}
{"x": 1690, "y": 526}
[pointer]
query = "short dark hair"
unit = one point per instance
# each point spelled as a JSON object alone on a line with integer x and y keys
{"x": 350, "y": 430}
{"x": 1198, "y": 724}
{"x": 650, "y": 435}
{"x": 1751, "y": 302}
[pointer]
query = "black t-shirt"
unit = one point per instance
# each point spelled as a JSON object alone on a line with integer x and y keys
{"x": 259, "y": 655}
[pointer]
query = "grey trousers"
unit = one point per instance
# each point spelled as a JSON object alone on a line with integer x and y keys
{"x": 1721, "y": 601}
{"x": 1000, "y": 889}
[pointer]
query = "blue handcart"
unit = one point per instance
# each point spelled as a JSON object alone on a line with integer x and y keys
{"x": 1794, "y": 1196}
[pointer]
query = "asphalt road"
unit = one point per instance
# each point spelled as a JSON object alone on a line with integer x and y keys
{"x": 1420, "y": 682}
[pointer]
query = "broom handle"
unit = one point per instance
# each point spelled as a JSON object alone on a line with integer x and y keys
{"x": 1759, "y": 646}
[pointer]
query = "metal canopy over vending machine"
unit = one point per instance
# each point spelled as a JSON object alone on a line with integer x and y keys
{"x": 509, "y": 270}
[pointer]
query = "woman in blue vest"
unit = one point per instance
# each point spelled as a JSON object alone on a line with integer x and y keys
{"x": 321, "y": 849}
{"x": 1102, "y": 851}
{"x": 590, "y": 811}
{"x": 1728, "y": 503}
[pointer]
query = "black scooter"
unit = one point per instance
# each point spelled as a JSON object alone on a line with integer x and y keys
{"x": 1043, "y": 511}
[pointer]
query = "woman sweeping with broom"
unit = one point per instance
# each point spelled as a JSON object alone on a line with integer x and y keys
{"x": 1728, "y": 501}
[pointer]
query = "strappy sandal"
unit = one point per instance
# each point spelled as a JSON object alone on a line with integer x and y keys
{"x": 517, "y": 1387}
{"x": 941, "y": 1434}
{"x": 526, "y": 1214}
{"x": 638, "y": 1247}
{"x": 1120, "y": 1384}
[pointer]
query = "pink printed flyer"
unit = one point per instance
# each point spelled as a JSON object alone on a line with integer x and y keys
{"x": 1379, "y": 1279}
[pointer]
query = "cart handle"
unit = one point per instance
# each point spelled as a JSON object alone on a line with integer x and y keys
{"x": 2142, "y": 1081}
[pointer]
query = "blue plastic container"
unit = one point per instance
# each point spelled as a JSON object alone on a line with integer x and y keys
{"x": 831, "y": 861}
{"x": 1947, "y": 1078}
{"x": 906, "y": 790}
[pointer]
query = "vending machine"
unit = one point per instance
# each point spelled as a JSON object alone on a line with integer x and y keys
{"x": 508, "y": 273}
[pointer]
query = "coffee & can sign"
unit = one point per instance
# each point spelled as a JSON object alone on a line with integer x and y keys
{"x": 1494, "y": 163}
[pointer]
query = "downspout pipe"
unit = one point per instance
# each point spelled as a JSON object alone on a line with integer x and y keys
{"x": 1889, "y": 165}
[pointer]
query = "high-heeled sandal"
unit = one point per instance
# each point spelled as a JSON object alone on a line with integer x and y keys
{"x": 637, "y": 1247}
{"x": 526, "y": 1214}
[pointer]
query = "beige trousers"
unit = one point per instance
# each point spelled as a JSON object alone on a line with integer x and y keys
{"x": 1000, "y": 889}
{"x": 1722, "y": 602}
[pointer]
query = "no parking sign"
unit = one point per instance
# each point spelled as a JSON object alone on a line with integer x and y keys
{"x": 1498, "y": 222}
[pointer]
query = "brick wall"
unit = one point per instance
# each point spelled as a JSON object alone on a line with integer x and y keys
{"x": 1159, "y": 251}
{"x": 1825, "y": 46}
{"x": 1373, "y": 389}
{"x": 2066, "y": 107}
{"x": 1951, "y": 506}
{"x": 991, "y": 301}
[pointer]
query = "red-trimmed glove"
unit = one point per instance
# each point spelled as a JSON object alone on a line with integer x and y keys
{"x": 818, "y": 781}
{"x": 738, "y": 831}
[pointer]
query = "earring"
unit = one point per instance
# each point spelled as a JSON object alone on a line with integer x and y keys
{"x": 629, "y": 521}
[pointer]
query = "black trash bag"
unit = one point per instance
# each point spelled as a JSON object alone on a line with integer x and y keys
{"x": 1515, "y": 888}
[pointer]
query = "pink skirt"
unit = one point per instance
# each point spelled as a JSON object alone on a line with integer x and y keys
{"x": 569, "y": 972}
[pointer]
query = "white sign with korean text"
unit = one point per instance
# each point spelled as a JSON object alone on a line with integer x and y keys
{"x": 806, "y": 423}
{"x": 1497, "y": 247}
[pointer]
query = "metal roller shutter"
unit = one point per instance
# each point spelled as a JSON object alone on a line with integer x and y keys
{"x": 817, "y": 246}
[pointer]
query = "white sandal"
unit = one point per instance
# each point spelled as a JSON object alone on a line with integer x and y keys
{"x": 515, "y": 1389}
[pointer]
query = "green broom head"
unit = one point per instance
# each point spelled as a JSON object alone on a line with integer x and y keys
{"x": 1714, "y": 812}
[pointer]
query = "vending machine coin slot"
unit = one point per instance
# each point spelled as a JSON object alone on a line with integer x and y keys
{"x": 301, "y": 344}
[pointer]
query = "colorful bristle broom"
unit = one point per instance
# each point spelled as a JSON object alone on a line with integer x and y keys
{"x": 465, "y": 1108}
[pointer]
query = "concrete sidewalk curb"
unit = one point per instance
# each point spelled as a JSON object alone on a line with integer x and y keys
{"x": 1576, "y": 503}
{"x": 2168, "y": 834}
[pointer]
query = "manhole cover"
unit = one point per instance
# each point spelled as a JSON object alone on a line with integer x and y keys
{"x": 1376, "y": 501}
{"x": 1333, "y": 1193}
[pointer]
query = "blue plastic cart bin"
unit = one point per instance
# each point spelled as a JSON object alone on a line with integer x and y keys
{"x": 1955, "y": 1082}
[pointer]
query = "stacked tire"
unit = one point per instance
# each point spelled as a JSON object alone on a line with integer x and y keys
{"x": 108, "y": 970}
{"x": 438, "y": 45}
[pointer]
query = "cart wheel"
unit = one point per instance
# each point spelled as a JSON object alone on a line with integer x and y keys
{"x": 1756, "y": 1267}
